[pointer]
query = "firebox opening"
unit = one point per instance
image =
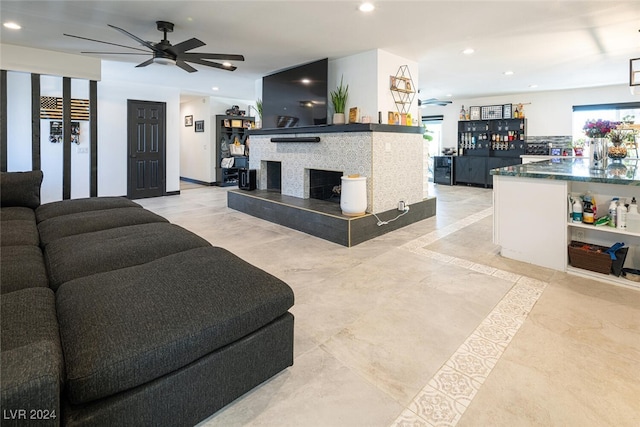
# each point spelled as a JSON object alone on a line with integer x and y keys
{"x": 274, "y": 176}
{"x": 325, "y": 185}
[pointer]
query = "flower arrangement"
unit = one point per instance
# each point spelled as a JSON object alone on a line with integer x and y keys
{"x": 598, "y": 128}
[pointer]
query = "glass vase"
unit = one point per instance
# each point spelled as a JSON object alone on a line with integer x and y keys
{"x": 598, "y": 154}
{"x": 617, "y": 151}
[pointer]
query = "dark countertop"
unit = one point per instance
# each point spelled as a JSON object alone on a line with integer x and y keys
{"x": 353, "y": 127}
{"x": 576, "y": 169}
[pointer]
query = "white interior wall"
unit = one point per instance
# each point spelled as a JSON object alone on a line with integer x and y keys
{"x": 112, "y": 132}
{"x": 368, "y": 76}
{"x": 359, "y": 72}
{"x": 26, "y": 59}
{"x": 51, "y": 154}
{"x": 196, "y": 147}
{"x": 18, "y": 122}
{"x": 389, "y": 65}
{"x": 198, "y": 153}
{"x": 547, "y": 113}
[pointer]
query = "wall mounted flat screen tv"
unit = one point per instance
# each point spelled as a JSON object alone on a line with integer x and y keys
{"x": 296, "y": 96}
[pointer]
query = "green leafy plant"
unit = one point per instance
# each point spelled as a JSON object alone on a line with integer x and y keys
{"x": 579, "y": 143}
{"x": 259, "y": 107}
{"x": 339, "y": 97}
{"x": 426, "y": 133}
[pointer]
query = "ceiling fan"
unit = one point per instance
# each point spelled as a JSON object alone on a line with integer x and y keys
{"x": 167, "y": 54}
{"x": 433, "y": 101}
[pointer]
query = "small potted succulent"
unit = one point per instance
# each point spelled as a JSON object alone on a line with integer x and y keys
{"x": 578, "y": 147}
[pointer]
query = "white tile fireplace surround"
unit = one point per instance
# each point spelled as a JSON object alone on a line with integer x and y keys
{"x": 391, "y": 157}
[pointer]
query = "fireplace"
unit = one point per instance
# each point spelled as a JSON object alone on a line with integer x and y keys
{"x": 274, "y": 176}
{"x": 324, "y": 185}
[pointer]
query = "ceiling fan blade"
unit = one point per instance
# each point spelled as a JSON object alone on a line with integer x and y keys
{"x": 145, "y": 63}
{"x": 207, "y": 63}
{"x": 188, "y": 68}
{"x": 100, "y": 41}
{"x": 186, "y": 45}
{"x": 136, "y": 38}
{"x": 434, "y": 101}
{"x": 210, "y": 64}
{"x": 230, "y": 57}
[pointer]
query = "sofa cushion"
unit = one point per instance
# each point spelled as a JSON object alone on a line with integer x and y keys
{"x": 20, "y": 188}
{"x": 81, "y": 255}
{"x": 32, "y": 366}
{"x": 86, "y": 222}
{"x": 155, "y": 318}
{"x": 17, "y": 212}
{"x": 21, "y": 267}
{"x": 19, "y": 232}
{"x": 66, "y": 207}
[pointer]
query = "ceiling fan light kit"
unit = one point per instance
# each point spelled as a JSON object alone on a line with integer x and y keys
{"x": 165, "y": 53}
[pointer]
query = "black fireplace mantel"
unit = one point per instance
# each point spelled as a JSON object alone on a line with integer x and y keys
{"x": 353, "y": 127}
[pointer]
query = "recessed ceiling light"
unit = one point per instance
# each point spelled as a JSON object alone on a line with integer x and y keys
{"x": 305, "y": 81}
{"x": 508, "y": 73}
{"x": 226, "y": 64}
{"x": 533, "y": 86}
{"x": 215, "y": 88}
{"x": 12, "y": 26}
{"x": 366, "y": 7}
{"x": 468, "y": 51}
{"x": 448, "y": 95}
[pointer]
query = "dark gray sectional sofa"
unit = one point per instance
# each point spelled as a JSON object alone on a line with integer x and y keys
{"x": 111, "y": 315}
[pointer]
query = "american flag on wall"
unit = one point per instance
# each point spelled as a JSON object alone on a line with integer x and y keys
{"x": 51, "y": 108}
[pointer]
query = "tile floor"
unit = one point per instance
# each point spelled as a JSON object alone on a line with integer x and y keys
{"x": 429, "y": 326}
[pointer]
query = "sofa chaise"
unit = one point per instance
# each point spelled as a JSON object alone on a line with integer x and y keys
{"x": 111, "y": 315}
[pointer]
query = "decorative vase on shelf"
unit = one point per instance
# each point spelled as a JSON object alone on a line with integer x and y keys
{"x": 338, "y": 118}
{"x": 598, "y": 154}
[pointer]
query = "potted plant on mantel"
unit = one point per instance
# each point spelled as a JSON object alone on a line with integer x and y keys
{"x": 339, "y": 101}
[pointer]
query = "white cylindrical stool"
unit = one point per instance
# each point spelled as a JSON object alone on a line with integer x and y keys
{"x": 353, "y": 195}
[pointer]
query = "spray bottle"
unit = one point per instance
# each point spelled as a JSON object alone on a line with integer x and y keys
{"x": 613, "y": 212}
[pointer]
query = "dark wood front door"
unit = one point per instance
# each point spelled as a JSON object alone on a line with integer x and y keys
{"x": 146, "y": 140}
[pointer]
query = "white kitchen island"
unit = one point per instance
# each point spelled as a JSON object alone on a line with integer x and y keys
{"x": 532, "y": 215}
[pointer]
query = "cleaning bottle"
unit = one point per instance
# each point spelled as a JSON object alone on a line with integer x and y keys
{"x": 633, "y": 217}
{"x": 592, "y": 201}
{"x": 621, "y": 214}
{"x": 576, "y": 214}
{"x": 587, "y": 212}
{"x": 613, "y": 212}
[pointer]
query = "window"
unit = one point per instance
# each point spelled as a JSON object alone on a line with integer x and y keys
{"x": 432, "y": 147}
{"x": 612, "y": 112}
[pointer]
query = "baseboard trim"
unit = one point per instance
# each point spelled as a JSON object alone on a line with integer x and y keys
{"x": 196, "y": 181}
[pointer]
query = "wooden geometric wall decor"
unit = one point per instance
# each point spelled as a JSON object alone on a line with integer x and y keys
{"x": 51, "y": 108}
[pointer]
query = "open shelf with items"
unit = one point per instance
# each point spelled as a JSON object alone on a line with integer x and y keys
{"x": 231, "y": 130}
{"x": 604, "y": 235}
{"x": 532, "y": 216}
{"x": 488, "y": 144}
{"x": 402, "y": 89}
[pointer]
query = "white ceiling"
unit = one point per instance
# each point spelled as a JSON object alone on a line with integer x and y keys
{"x": 552, "y": 44}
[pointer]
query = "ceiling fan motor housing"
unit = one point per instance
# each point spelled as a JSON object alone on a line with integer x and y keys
{"x": 165, "y": 26}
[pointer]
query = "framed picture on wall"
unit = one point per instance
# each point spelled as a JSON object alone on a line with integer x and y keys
{"x": 199, "y": 126}
{"x": 506, "y": 111}
{"x": 474, "y": 113}
{"x": 188, "y": 120}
